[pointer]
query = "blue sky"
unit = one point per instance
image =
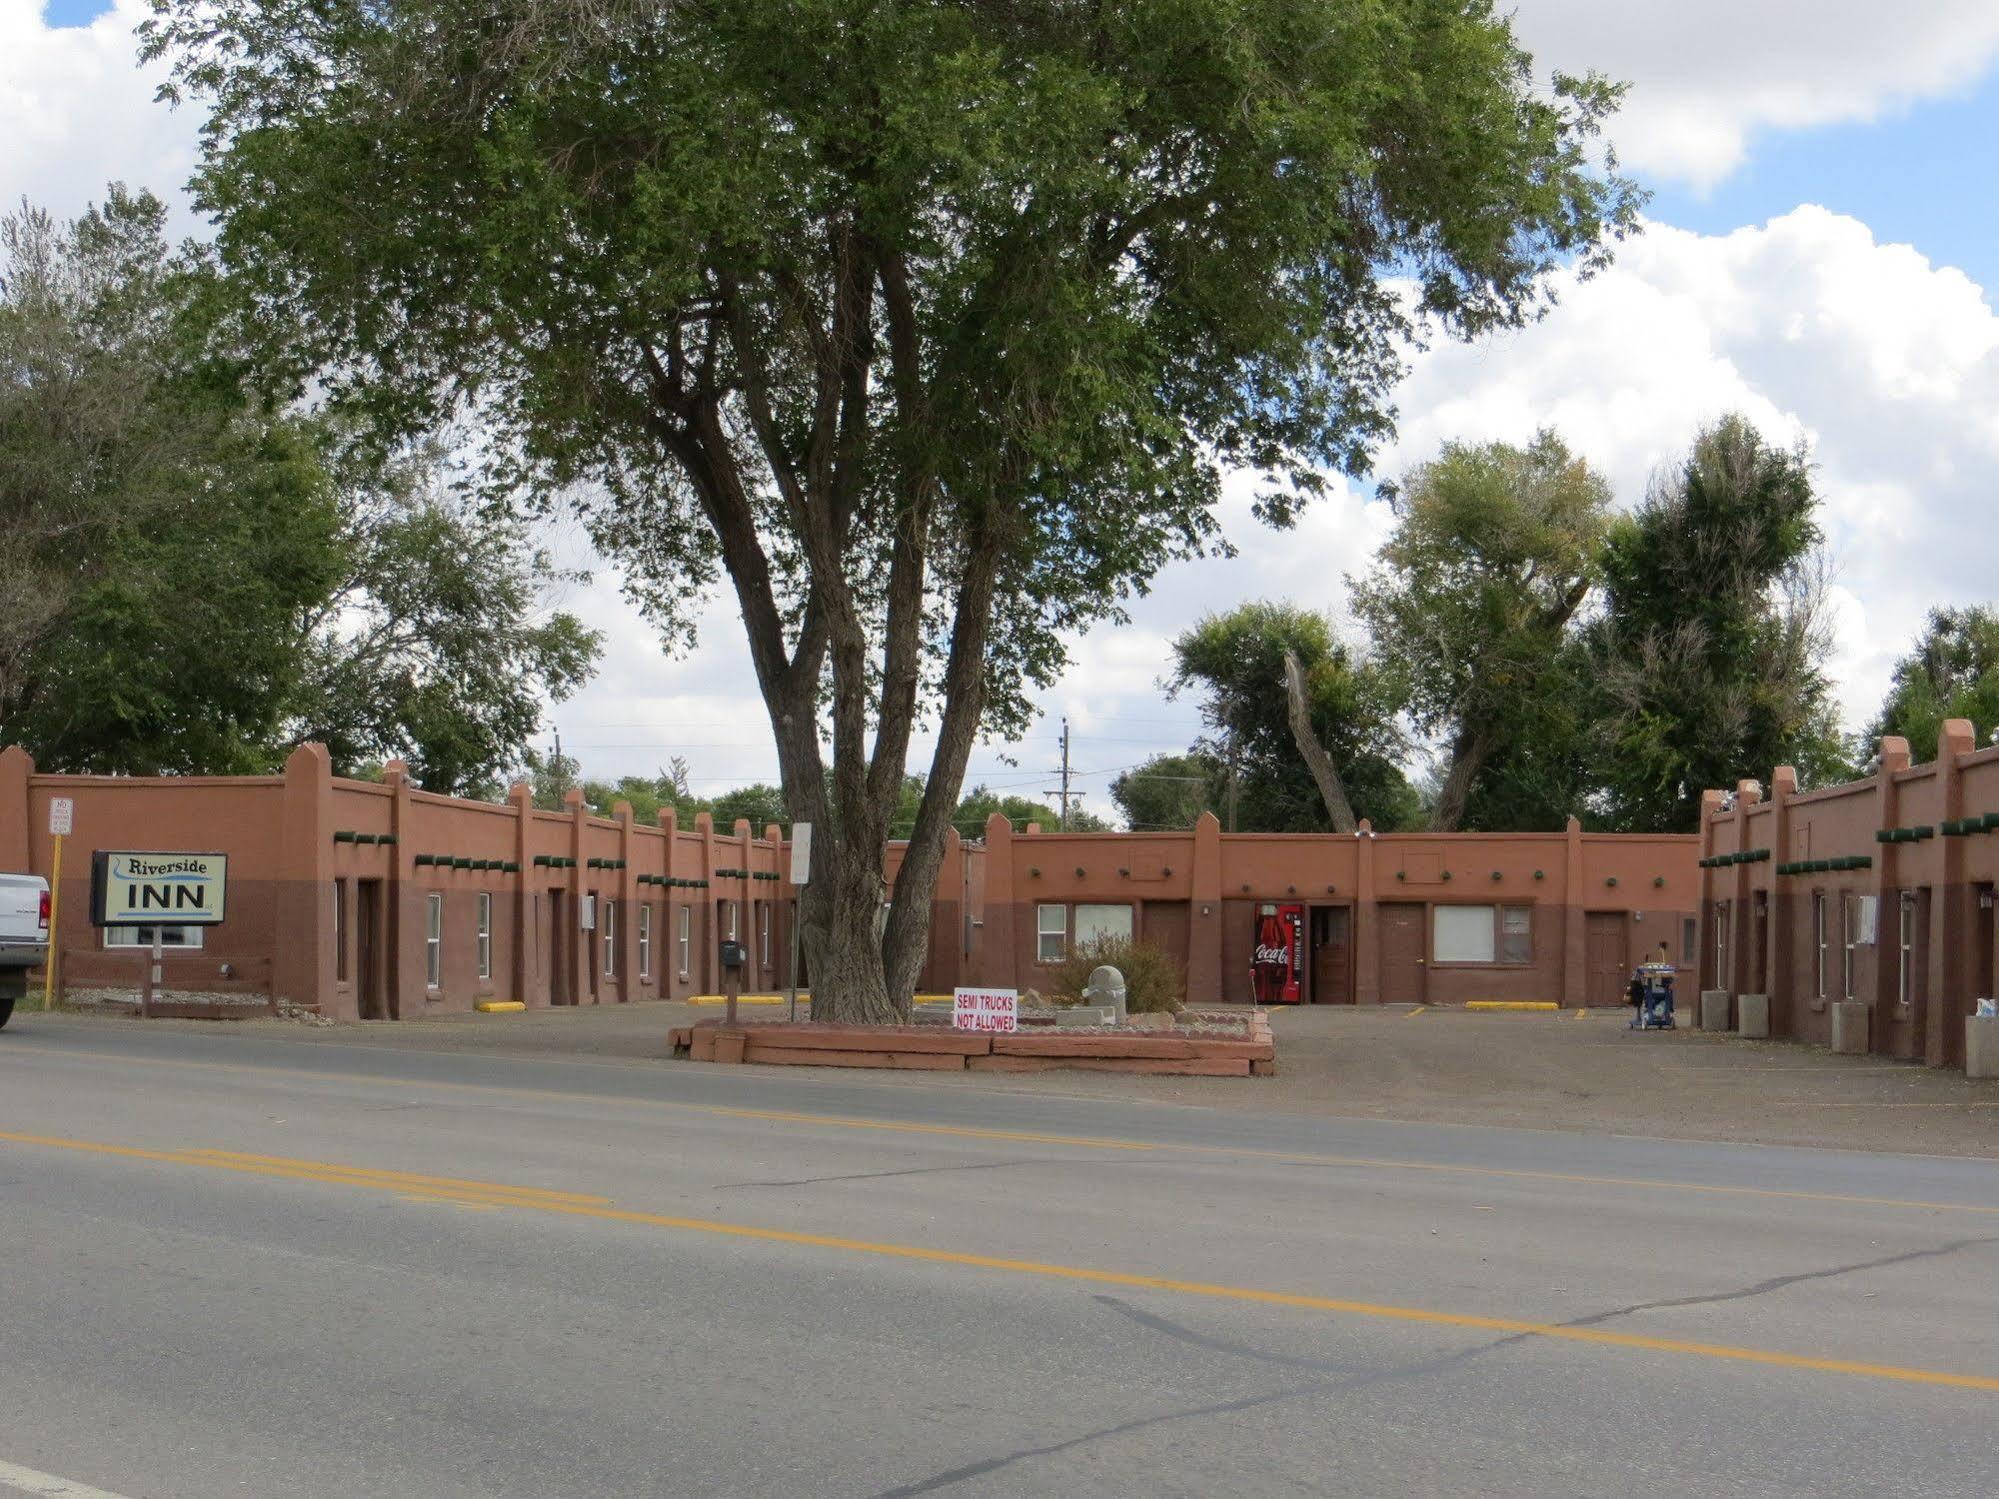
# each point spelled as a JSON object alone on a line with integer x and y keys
{"x": 74, "y": 12}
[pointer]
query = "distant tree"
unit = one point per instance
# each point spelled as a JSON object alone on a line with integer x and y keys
{"x": 1170, "y": 791}
{"x": 1470, "y": 608}
{"x": 933, "y": 327}
{"x": 1710, "y": 654}
{"x": 762, "y": 804}
{"x": 1952, "y": 672}
{"x": 981, "y": 802}
{"x": 162, "y": 528}
{"x": 1235, "y": 662}
{"x": 435, "y": 646}
{"x": 551, "y": 777}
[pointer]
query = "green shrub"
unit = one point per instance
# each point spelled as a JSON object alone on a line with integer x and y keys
{"x": 1153, "y": 982}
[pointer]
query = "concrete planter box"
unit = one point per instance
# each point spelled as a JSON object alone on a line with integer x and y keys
{"x": 1752, "y": 1016}
{"x": 1981, "y": 1046}
{"x": 1849, "y": 1027}
{"x": 1714, "y": 1009}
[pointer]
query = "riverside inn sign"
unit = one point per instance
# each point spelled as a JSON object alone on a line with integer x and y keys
{"x": 138, "y": 889}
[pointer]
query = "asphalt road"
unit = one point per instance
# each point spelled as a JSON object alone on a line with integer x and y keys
{"x": 235, "y": 1265}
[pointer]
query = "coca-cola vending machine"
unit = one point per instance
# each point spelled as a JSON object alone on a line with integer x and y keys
{"x": 1277, "y": 962}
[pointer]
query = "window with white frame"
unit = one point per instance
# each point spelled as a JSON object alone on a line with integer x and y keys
{"x": 171, "y": 937}
{"x": 433, "y": 940}
{"x": 645, "y": 941}
{"x": 1051, "y": 933}
{"x": 610, "y": 936}
{"x": 1820, "y": 941}
{"x": 1100, "y": 923}
{"x": 1720, "y": 980}
{"x": 1849, "y": 922}
{"x": 729, "y": 922}
{"x": 485, "y": 934}
{"x": 1463, "y": 934}
{"x": 686, "y": 939}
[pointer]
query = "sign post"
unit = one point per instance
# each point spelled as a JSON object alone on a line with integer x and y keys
{"x": 801, "y": 875}
{"x": 62, "y": 818}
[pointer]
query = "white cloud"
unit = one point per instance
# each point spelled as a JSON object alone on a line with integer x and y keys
{"x": 1706, "y": 75}
{"x": 77, "y": 112}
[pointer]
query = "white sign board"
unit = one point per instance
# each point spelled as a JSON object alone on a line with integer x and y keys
{"x": 801, "y": 853}
{"x": 985, "y": 1009}
{"x": 139, "y": 889}
{"x": 62, "y": 816}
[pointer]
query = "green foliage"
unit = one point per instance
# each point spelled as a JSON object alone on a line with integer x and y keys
{"x": 1952, "y": 672}
{"x": 1497, "y": 549}
{"x": 981, "y": 802}
{"x": 433, "y": 647}
{"x": 1170, "y": 792}
{"x": 1710, "y": 655}
{"x": 161, "y": 529}
{"x": 761, "y": 804}
{"x": 932, "y": 326}
{"x": 1236, "y": 661}
{"x": 1153, "y": 981}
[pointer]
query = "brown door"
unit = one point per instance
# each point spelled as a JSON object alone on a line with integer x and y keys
{"x": 1332, "y": 955}
{"x": 556, "y": 949}
{"x": 1402, "y": 948}
{"x": 1165, "y": 925}
{"x": 1604, "y": 959}
{"x": 1759, "y": 960}
{"x": 368, "y": 949}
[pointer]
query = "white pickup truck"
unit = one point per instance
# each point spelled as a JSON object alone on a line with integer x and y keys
{"x": 24, "y": 935}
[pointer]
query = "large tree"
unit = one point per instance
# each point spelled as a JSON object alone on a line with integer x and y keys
{"x": 1169, "y": 792}
{"x": 1711, "y": 651}
{"x": 1496, "y": 550}
{"x": 1237, "y": 663}
{"x": 1951, "y": 672}
{"x": 933, "y": 327}
{"x": 162, "y": 528}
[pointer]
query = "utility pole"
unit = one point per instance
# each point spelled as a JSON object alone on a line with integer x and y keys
{"x": 1065, "y": 793}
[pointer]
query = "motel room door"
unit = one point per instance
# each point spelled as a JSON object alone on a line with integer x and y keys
{"x": 1604, "y": 965}
{"x": 1402, "y": 948}
{"x": 1332, "y": 955}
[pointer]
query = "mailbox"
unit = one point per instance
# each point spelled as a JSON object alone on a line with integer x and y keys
{"x": 733, "y": 954}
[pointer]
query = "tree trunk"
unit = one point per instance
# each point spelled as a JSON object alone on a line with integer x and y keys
{"x": 841, "y": 915}
{"x": 1469, "y": 750}
{"x": 1331, "y": 789}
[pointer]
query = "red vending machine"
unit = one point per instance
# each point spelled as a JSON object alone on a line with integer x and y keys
{"x": 1277, "y": 962}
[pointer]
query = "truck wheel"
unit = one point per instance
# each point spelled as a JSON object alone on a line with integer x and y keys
{"x": 6, "y": 1011}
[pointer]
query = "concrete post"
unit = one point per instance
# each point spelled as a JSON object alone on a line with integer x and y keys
{"x": 17, "y": 768}
{"x": 302, "y": 966}
{"x": 1575, "y": 952}
{"x": 1849, "y": 1027}
{"x": 1953, "y": 909}
{"x": 999, "y": 956}
{"x": 1366, "y": 919}
{"x": 1206, "y": 983}
{"x": 1752, "y": 1016}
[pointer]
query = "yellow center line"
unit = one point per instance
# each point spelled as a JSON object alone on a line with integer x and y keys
{"x": 495, "y": 1194}
{"x": 1086, "y": 1142}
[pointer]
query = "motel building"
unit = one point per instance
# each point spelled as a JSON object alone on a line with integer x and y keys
{"x": 380, "y": 901}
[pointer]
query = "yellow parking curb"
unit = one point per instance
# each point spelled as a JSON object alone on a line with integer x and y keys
{"x": 1511, "y": 1004}
{"x": 499, "y": 1006}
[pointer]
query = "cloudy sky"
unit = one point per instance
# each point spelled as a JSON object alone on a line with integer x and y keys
{"x": 1819, "y": 253}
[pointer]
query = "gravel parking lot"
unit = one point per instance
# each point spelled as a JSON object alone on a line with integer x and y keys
{"x": 1566, "y": 1071}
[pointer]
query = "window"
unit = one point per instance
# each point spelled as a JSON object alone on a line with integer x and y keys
{"x": 485, "y": 934}
{"x": 1463, "y": 934}
{"x": 340, "y": 931}
{"x": 645, "y": 941}
{"x": 433, "y": 941}
{"x": 686, "y": 938}
{"x": 142, "y": 936}
{"x": 1689, "y": 939}
{"x": 763, "y": 931}
{"x": 1720, "y": 945}
{"x": 729, "y": 921}
{"x": 1095, "y": 923}
{"x": 1819, "y": 935}
{"x": 1516, "y": 934}
{"x": 610, "y": 939}
{"x": 1850, "y": 930}
{"x": 1051, "y": 933}
{"x": 1905, "y": 992}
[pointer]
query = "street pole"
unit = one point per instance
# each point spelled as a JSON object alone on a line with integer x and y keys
{"x": 793, "y": 990}
{"x": 732, "y": 985}
{"x": 55, "y": 930}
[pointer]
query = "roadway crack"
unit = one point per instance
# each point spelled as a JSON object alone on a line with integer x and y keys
{"x": 863, "y": 1176}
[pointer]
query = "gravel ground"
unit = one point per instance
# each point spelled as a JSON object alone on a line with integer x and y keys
{"x": 1561, "y": 1071}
